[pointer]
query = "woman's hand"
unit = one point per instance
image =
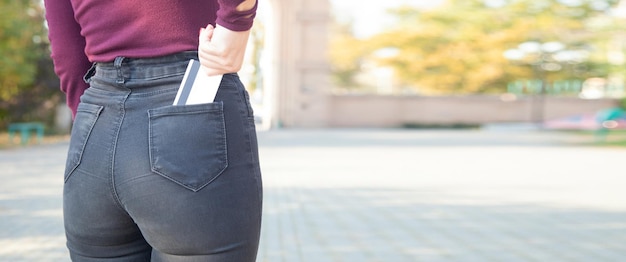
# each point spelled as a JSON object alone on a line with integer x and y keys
{"x": 221, "y": 50}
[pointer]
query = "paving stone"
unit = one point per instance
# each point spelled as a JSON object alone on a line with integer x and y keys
{"x": 384, "y": 195}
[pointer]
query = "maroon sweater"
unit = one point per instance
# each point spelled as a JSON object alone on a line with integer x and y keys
{"x": 85, "y": 31}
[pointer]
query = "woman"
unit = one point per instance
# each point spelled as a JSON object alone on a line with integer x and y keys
{"x": 146, "y": 180}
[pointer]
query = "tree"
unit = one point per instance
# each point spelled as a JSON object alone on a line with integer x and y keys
{"x": 459, "y": 47}
{"x": 22, "y": 33}
{"x": 346, "y": 54}
{"x": 26, "y": 76}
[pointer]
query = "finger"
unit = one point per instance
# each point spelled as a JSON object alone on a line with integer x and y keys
{"x": 217, "y": 65}
{"x": 202, "y": 37}
{"x": 210, "y": 55}
{"x": 210, "y": 49}
{"x": 213, "y": 61}
{"x": 213, "y": 72}
{"x": 208, "y": 32}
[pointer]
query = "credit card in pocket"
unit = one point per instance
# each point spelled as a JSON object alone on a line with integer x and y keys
{"x": 197, "y": 87}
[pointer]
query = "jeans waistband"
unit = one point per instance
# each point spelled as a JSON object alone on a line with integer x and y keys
{"x": 123, "y": 68}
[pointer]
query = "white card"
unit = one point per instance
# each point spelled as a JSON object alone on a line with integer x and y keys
{"x": 197, "y": 87}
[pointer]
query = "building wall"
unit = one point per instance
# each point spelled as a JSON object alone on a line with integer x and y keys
{"x": 299, "y": 78}
{"x": 395, "y": 111}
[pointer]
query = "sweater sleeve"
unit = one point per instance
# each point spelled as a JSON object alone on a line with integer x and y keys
{"x": 231, "y": 18}
{"x": 68, "y": 50}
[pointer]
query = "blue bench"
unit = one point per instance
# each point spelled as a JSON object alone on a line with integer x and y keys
{"x": 25, "y": 129}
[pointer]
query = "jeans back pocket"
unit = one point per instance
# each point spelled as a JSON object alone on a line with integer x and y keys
{"x": 86, "y": 116}
{"x": 188, "y": 143}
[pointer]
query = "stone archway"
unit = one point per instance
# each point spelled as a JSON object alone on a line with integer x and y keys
{"x": 297, "y": 73}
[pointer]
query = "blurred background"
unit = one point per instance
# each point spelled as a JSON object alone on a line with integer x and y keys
{"x": 396, "y": 130}
{"x": 397, "y": 63}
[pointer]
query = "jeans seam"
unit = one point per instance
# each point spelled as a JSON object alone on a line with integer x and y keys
{"x": 122, "y": 104}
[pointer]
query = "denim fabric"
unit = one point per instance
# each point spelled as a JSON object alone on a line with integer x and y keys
{"x": 148, "y": 181}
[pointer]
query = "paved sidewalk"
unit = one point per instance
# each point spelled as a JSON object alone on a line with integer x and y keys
{"x": 385, "y": 195}
{"x": 31, "y": 226}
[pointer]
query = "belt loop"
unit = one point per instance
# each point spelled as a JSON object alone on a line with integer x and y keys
{"x": 118, "y": 66}
{"x": 90, "y": 73}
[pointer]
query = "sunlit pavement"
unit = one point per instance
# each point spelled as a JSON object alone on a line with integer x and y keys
{"x": 385, "y": 195}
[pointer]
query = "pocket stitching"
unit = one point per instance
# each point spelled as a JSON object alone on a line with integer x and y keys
{"x": 223, "y": 155}
{"x": 96, "y": 114}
